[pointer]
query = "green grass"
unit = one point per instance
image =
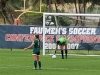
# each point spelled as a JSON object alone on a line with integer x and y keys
{"x": 19, "y": 62}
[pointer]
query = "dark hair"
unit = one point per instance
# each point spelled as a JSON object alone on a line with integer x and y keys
{"x": 37, "y": 36}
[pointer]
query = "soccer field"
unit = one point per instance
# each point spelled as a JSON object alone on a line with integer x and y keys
{"x": 19, "y": 62}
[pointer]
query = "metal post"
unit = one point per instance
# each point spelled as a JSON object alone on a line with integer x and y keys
{"x": 43, "y": 34}
{"x": 24, "y": 5}
{"x": 40, "y": 4}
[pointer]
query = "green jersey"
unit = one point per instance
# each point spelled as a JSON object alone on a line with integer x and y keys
{"x": 63, "y": 40}
{"x": 36, "y": 48}
{"x": 36, "y": 43}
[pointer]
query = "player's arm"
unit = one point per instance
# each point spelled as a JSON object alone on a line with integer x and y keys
{"x": 68, "y": 40}
{"x": 29, "y": 46}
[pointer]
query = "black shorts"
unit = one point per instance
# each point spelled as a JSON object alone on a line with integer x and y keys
{"x": 36, "y": 53}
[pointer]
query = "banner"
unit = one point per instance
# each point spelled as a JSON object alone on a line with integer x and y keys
{"x": 22, "y": 36}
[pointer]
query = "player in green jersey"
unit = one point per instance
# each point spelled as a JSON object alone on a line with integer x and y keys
{"x": 62, "y": 42}
{"x": 36, "y": 51}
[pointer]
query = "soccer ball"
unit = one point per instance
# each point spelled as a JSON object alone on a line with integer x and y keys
{"x": 53, "y": 56}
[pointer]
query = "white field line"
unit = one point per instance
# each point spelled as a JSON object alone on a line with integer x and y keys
{"x": 29, "y": 67}
{"x": 75, "y": 55}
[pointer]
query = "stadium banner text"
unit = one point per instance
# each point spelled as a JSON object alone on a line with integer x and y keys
{"x": 22, "y": 36}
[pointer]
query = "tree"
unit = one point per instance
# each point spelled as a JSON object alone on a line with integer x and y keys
{"x": 80, "y": 6}
{"x": 5, "y": 11}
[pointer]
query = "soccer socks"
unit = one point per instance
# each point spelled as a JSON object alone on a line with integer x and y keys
{"x": 55, "y": 51}
{"x": 62, "y": 54}
{"x": 35, "y": 64}
{"x": 66, "y": 54}
{"x": 39, "y": 63}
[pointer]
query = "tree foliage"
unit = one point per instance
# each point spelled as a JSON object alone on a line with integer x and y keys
{"x": 8, "y": 7}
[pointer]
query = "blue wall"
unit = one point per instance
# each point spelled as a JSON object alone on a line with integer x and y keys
{"x": 24, "y": 38}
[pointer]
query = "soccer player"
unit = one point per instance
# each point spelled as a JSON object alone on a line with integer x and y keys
{"x": 62, "y": 42}
{"x": 36, "y": 51}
